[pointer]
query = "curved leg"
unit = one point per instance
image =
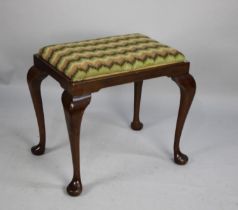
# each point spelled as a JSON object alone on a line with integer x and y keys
{"x": 74, "y": 107}
{"x": 187, "y": 87}
{"x": 136, "y": 124}
{"x": 34, "y": 79}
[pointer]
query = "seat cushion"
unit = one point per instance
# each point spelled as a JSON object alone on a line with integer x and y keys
{"x": 102, "y": 57}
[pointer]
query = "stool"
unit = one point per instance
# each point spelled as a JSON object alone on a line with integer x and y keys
{"x": 85, "y": 67}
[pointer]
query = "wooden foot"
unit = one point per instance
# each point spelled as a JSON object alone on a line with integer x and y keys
{"x": 74, "y": 107}
{"x": 136, "y": 124}
{"x": 187, "y": 87}
{"x": 34, "y": 79}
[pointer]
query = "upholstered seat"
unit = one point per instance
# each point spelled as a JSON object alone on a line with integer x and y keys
{"x": 89, "y": 59}
{"x": 83, "y": 68}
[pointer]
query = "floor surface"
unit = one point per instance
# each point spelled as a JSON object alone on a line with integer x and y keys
{"x": 120, "y": 168}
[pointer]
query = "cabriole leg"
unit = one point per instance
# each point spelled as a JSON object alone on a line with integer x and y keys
{"x": 34, "y": 79}
{"x": 74, "y": 107}
{"x": 136, "y": 124}
{"x": 187, "y": 87}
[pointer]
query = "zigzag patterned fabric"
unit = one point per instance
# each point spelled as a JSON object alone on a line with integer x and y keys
{"x": 94, "y": 58}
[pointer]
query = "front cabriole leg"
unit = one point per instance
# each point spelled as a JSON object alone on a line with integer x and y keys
{"x": 74, "y": 107}
{"x": 187, "y": 87}
{"x": 34, "y": 79}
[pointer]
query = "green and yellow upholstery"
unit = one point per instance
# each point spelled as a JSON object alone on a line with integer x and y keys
{"x": 106, "y": 56}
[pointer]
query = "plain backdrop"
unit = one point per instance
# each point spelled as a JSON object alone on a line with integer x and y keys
{"x": 121, "y": 168}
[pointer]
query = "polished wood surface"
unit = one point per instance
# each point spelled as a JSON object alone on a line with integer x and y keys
{"x": 77, "y": 95}
{"x": 187, "y": 87}
{"x": 136, "y": 124}
{"x": 34, "y": 79}
{"x": 74, "y": 107}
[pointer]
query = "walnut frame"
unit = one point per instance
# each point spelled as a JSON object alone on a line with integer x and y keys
{"x": 77, "y": 95}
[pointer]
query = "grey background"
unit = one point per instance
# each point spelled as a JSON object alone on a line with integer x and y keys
{"x": 122, "y": 169}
